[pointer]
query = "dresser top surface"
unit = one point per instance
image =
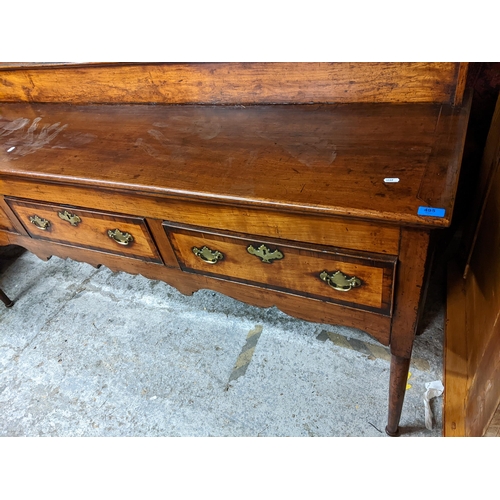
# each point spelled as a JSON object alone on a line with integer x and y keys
{"x": 330, "y": 159}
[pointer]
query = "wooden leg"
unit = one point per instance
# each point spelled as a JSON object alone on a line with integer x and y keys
{"x": 408, "y": 304}
{"x": 397, "y": 388}
{"x": 5, "y": 299}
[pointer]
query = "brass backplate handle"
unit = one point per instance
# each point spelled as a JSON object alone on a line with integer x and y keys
{"x": 39, "y": 222}
{"x": 73, "y": 219}
{"x": 207, "y": 255}
{"x": 266, "y": 254}
{"x": 339, "y": 281}
{"x": 121, "y": 238}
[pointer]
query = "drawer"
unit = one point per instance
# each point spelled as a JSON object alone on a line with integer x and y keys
{"x": 314, "y": 229}
{"x": 360, "y": 280}
{"x": 107, "y": 232}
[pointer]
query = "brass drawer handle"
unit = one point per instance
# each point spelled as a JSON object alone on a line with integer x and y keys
{"x": 39, "y": 222}
{"x": 339, "y": 281}
{"x": 207, "y": 255}
{"x": 73, "y": 219}
{"x": 265, "y": 253}
{"x": 119, "y": 237}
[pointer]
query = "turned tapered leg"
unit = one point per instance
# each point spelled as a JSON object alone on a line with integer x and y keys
{"x": 408, "y": 304}
{"x": 397, "y": 389}
{"x": 5, "y": 299}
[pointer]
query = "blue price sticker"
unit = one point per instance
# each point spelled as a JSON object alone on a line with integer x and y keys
{"x": 431, "y": 211}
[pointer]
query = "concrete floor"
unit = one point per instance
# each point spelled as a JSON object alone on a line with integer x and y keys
{"x": 89, "y": 352}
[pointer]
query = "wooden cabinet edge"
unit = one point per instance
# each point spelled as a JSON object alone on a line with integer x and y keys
{"x": 231, "y": 83}
{"x": 375, "y": 325}
{"x": 409, "y": 285}
{"x": 380, "y": 237}
{"x": 462, "y": 72}
{"x": 162, "y": 243}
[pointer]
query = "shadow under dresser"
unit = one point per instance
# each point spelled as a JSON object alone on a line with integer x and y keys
{"x": 314, "y": 187}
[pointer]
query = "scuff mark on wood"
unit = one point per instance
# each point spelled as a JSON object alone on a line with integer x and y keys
{"x": 31, "y": 140}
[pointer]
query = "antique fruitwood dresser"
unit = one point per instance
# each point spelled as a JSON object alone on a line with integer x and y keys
{"x": 313, "y": 187}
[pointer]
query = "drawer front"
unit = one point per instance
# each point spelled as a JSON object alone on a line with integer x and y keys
{"x": 361, "y": 281}
{"x": 107, "y": 232}
{"x": 356, "y": 235}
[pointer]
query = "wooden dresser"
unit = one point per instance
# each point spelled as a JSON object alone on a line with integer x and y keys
{"x": 313, "y": 187}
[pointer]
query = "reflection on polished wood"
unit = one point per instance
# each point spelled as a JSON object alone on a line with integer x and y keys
{"x": 284, "y": 161}
{"x": 318, "y": 159}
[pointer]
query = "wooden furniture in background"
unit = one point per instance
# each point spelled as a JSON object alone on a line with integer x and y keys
{"x": 313, "y": 187}
{"x": 472, "y": 338}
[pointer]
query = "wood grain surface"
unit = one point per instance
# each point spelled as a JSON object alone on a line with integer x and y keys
{"x": 91, "y": 232}
{"x": 456, "y": 377}
{"x": 312, "y": 159}
{"x": 5, "y": 222}
{"x": 309, "y": 309}
{"x": 333, "y": 160}
{"x": 233, "y": 83}
{"x": 320, "y": 229}
{"x": 297, "y": 271}
{"x": 472, "y": 345}
{"x": 409, "y": 287}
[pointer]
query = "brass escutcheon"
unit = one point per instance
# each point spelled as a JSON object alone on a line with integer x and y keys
{"x": 207, "y": 255}
{"x": 73, "y": 219}
{"x": 39, "y": 222}
{"x": 121, "y": 238}
{"x": 265, "y": 253}
{"x": 339, "y": 281}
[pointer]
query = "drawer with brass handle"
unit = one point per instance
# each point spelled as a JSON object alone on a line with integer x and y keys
{"x": 356, "y": 279}
{"x": 107, "y": 232}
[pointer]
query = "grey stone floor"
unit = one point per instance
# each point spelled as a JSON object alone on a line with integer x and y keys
{"x": 89, "y": 352}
